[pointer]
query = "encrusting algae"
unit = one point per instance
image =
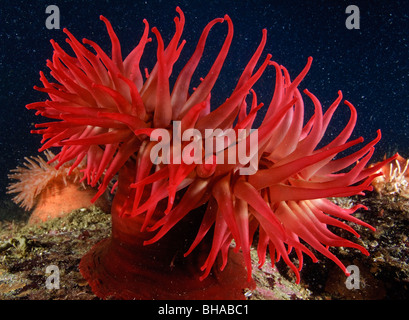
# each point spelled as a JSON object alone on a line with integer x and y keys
{"x": 26, "y": 251}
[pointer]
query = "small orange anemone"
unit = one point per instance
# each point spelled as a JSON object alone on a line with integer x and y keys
{"x": 394, "y": 178}
{"x": 52, "y": 192}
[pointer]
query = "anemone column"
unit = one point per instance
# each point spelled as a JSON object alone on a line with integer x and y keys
{"x": 122, "y": 267}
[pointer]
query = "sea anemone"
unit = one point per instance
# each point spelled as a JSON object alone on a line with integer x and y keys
{"x": 394, "y": 178}
{"x": 53, "y": 193}
{"x": 173, "y": 219}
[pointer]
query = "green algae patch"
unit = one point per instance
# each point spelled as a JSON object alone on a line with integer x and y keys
{"x": 27, "y": 250}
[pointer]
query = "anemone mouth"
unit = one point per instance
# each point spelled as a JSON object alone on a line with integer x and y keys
{"x": 107, "y": 112}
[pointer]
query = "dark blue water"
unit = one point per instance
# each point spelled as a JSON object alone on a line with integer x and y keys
{"x": 370, "y": 65}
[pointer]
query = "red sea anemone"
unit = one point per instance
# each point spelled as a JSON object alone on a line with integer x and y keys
{"x": 52, "y": 193}
{"x": 173, "y": 220}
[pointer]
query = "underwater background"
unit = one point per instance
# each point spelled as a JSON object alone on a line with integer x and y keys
{"x": 370, "y": 65}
